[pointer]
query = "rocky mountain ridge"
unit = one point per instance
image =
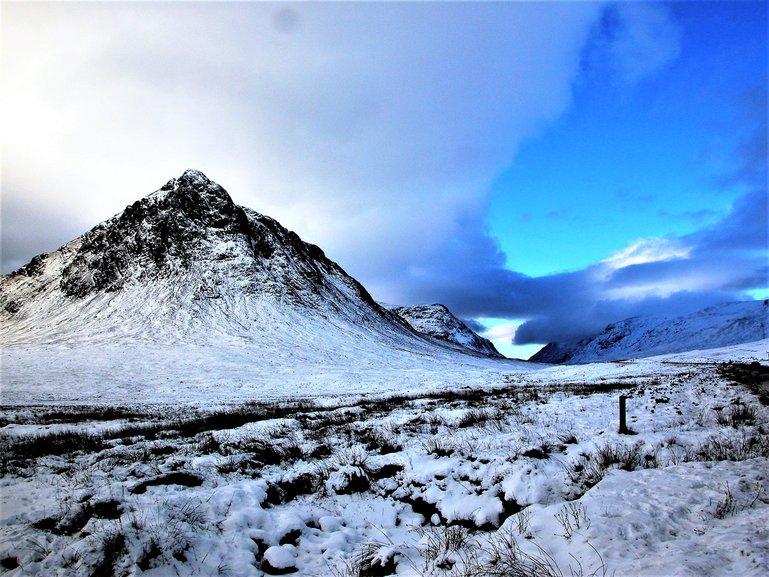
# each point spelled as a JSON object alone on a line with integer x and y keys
{"x": 439, "y": 322}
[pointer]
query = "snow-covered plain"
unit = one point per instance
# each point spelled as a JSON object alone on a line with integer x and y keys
{"x": 512, "y": 471}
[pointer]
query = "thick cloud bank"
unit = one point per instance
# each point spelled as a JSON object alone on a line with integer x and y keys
{"x": 371, "y": 125}
{"x": 669, "y": 275}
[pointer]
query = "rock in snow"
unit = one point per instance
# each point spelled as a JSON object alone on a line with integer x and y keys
{"x": 279, "y": 560}
{"x": 717, "y": 326}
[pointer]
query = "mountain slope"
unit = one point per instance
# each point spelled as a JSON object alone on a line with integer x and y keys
{"x": 439, "y": 322}
{"x": 717, "y": 326}
{"x": 557, "y": 353}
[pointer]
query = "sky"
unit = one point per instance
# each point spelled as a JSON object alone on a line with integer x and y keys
{"x": 542, "y": 168}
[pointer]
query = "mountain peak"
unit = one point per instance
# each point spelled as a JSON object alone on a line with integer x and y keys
{"x": 192, "y": 174}
{"x": 167, "y": 228}
{"x": 195, "y": 183}
{"x": 437, "y": 321}
{"x": 190, "y": 178}
{"x": 196, "y": 195}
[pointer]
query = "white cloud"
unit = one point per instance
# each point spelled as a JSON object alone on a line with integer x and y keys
{"x": 371, "y": 129}
{"x": 646, "y": 250}
{"x": 501, "y": 332}
{"x": 500, "y": 329}
{"x": 646, "y": 39}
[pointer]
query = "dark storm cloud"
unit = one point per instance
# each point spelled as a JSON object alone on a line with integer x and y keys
{"x": 590, "y": 317}
{"x": 713, "y": 265}
{"x": 744, "y": 229}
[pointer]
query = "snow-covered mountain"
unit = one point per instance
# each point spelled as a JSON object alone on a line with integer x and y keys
{"x": 557, "y": 353}
{"x": 439, "y": 322}
{"x": 716, "y": 326}
{"x": 181, "y": 262}
{"x": 186, "y": 285}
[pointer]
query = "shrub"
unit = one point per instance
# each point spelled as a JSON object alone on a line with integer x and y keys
{"x": 590, "y": 468}
{"x": 747, "y": 446}
{"x": 727, "y": 506}
{"x": 113, "y": 546}
{"x": 378, "y": 439}
{"x": 438, "y": 446}
{"x": 478, "y": 417}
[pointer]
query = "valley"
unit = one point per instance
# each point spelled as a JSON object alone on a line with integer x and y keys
{"x": 191, "y": 389}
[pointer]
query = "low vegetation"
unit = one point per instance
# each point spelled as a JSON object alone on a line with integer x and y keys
{"x": 458, "y": 483}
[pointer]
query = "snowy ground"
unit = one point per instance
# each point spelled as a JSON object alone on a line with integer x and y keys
{"x": 512, "y": 472}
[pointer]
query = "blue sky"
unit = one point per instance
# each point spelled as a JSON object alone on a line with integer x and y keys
{"x": 641, "y": 157}
{"x": 542, "y": 168}
{"x": 645, "y": 155}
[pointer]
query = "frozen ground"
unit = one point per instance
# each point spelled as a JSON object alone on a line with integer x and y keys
{"x": 512, "y": 471}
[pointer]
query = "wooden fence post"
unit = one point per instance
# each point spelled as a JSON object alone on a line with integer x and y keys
{"x": 623, "y": 430}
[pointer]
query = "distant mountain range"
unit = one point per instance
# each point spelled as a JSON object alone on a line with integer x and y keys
{"x": 645, "y": 336}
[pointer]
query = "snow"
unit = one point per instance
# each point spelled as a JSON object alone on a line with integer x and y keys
{"x": 200, "y": 374}
{"x": 681, "y": 513}
{"x": 281, "y": 556}
{"x": 673, "y": 526}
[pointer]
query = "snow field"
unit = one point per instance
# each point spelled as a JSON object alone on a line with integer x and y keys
{"x": 527, "y": 478}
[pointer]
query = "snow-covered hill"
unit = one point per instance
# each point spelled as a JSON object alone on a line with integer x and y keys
{"x": 717, "y": 326}
{"x": 185, "y": 285}
{"x": 439, "y": 322}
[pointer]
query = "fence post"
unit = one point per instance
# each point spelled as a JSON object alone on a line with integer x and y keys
{"x": 623, "y": 430}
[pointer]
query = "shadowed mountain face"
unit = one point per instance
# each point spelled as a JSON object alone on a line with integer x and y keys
{"x": 717, "y": 326}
